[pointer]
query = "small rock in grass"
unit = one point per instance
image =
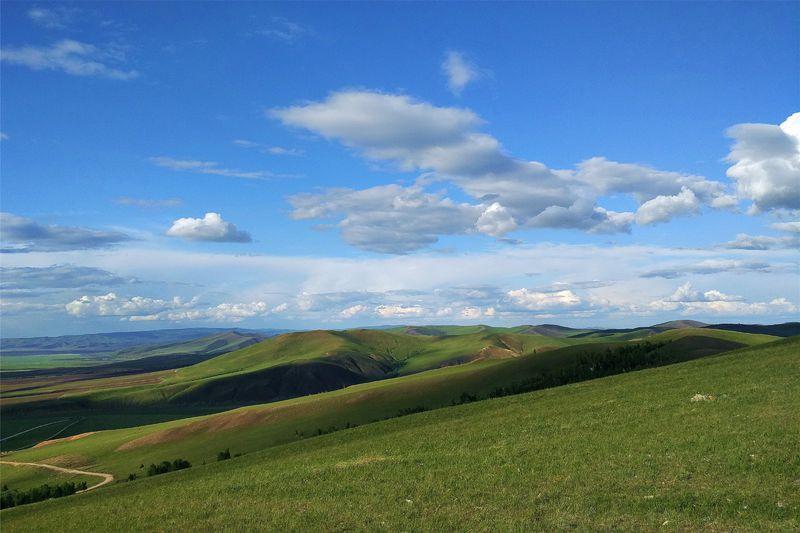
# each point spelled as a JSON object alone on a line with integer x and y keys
{"x": 702, "y": 398}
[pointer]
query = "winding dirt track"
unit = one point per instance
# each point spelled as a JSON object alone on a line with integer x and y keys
{"x": 107, "y": 478}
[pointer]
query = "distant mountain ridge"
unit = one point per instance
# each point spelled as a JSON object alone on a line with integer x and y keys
{"x": 95, "y": 343}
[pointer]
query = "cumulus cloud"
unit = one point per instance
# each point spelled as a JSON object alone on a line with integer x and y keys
{"x": 443, "y": 143}
{"x": 209, "y": 228}
{"x": 388, "y": 218}
{"x": 766, "y": 164}
{"x": 664, "y": 208}
{"x": 459, "y": 71}
{"x": 353, "y": 310}
{"x": 69, "y": 56}
{"x": 496, "y": 221}
{"x": 112, "y": 305}
{"x": 209, "y": 167}
{"x": 146, "y": 309}
{"x": 792, "y": 227}
{"x": 20, "y": 235}
{"x": 224, "y": 312}
{"x": 535, "y": 300}
{"x": 689, "y": 301}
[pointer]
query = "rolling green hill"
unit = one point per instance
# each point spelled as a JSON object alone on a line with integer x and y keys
{"x": 253, "y": 428}
{"x": 296, "y": 364}
{"x": 707, "y": 444}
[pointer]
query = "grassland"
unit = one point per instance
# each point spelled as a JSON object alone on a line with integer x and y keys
{"x": 17, "y": 363}
{"x": 286, "y": 366}
{"x": 28, "y": 477}
{"x": 254, "y": 428}
{"x": 628, "y": 452}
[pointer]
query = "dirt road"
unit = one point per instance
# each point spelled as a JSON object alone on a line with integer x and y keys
{"x": 107, "y": 478}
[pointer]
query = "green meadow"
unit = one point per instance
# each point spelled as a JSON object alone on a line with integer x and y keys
{"x": 708, "y": 444}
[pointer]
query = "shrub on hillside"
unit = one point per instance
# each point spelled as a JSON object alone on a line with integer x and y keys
{"x": 166, "y": 466}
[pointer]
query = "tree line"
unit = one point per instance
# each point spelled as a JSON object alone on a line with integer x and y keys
{"x": 12, "y": 498}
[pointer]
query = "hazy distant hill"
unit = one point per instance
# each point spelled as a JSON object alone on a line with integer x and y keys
{"x": 112, "y": 342}
{"x": 788, "y": 329}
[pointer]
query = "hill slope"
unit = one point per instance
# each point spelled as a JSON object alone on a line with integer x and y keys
{"x": 296, "y": 364}
{"x": 626, "y": 452}
{"x": 257, "y": 427}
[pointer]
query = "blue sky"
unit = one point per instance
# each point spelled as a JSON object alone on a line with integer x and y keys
{"x": 331, "y": 165}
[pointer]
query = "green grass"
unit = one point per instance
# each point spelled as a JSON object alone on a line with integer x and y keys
{"x": 16, "y": 363}
{"x": 254, "y": 428}
{"x": 28, "y": 477}
{"x": 32, "y": 428}
{"x": 316, "y": 361}
{"x": 628, "y": 452}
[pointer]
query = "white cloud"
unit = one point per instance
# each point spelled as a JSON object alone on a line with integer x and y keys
{"x": 607, "y": 280}
{"x": 112, "y": 305}
{"x": 442, "y": 143}
{"x": 285, "y": 30}
{"x": 210, "y": 167}
{"x": 267, "y": 149}
{"x": 459, "y": 71}
{"x": 399, "y": 311}
{"x": 140, "y": 308}
{"x": 69, "y": 56}
{"x": 388, "y": 218}
{"x": 710, "y": 266}
{"x": 664, "y": 208}
{"x": 766, "y": 164}
{"x": 149, "y": 202}
{"x": 534, "y": 300}
{"x": 4, "y": 136}
{"x": 471, "y": 313}
{"x": 744, "y": 241}
{"x": 495, "y": 221}
{"x": 56, "y": 17}
{"x": 792, "y": 227}
{"x": 353, "y": 310}
{"x": 209, "y": 228}
{"x": 689, "y": 301}
{"x": 224, "y": 312}
{"x": 19, "y": 281}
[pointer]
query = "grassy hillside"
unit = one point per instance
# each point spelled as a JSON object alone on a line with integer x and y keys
{"x": 628, "y": 452}
{"x": 21, "y": 363}
{"x": 291, "y": 365}
{"x": 788, "y": 329}
{"x": 27, "y": 477}
{"x": 254, "y": 428}
{"x": 67, "y": 408}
